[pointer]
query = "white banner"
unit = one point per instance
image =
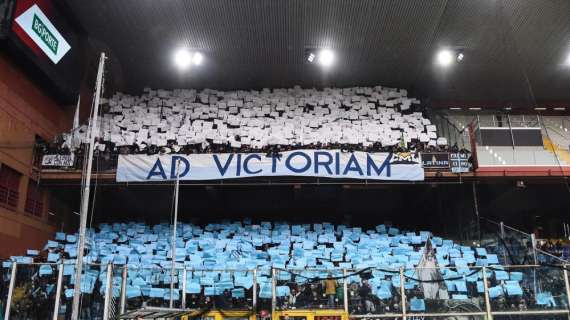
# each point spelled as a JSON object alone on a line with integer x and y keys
{"x": 58, "y": 160}
{"x": 304, "y": 163}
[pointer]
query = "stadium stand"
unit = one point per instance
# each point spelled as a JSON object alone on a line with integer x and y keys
{"x": 190, "y": 121}
{"x": 538, "y": 156}
{"x": 304, "y": 266}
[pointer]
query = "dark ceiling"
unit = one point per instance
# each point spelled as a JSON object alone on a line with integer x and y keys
{"x": 514, "y": 50}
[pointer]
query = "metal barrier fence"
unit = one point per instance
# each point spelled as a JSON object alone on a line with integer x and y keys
{"x": 514, "y": 246}
{"x": 43, "y": 291}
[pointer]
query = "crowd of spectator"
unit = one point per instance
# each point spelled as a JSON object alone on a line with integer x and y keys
{"x": 372, "y": 119}
{"x": 557, "y": 247}
{"x": 311, "y": 263}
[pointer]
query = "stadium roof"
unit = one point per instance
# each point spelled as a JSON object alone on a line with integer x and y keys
{"x": 515, "y": 50}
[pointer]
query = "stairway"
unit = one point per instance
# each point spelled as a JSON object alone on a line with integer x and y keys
{"x": 562, "y": 154}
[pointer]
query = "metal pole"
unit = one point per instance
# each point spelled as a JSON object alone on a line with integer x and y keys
{"x": 567, "y": 285}
{"x": 479, "y": 129}
{"x": 273, "y": 291}
{"x": 184, "y": 275}
{"x": 511, "y": 131}
{"x": 123, "y": 290}
{"x": 533, "y": 243}
{"x": 173, "y": 267}
{"x": 486, "y": 290}
{"x": 108, "y": 291}
{"x": 403, "y": 293}
{"x": 86, "y": 190}
{"x": 254, "y": 299}
{"x": 10, "y": 290}
{"x": 502, "y": 226}
{"x": 345, "y": 290}
{"x": 58, "y": 292}
{"x": 476, "y": 206}
{"x": 534, "y": 257}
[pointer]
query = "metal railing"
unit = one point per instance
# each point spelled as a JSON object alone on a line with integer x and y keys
{"x": 42, "y": 290}
{"x": 508, "y": 121}
{"x": 513, "y": 245}
{"x": 456, "y": 134}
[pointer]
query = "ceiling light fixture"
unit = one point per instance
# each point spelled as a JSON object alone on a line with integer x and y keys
{"x": 182, "y": 58}
{"x": 326, "y": 58}
{"x": 311, "y": 57}
{"x": 445, "y": 58}
{"x": 460, "y": 56}
{"x": 197, "y": 58}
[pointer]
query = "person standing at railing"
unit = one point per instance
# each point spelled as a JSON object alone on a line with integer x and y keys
{"x": 294, "y": 293}
{"x": 365, "y": 294}
{"x": 340, "y": 294}
{"x": 330, "y": 290}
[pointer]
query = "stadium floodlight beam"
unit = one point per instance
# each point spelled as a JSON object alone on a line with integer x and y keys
{"x": 183, "y": 58}
{"x": 445, "y": 58}
{"x": 326, "y": 57}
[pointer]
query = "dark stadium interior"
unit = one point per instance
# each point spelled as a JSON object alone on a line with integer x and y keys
{"x": 446, "y": 209}
{"x": 510, "y": 61}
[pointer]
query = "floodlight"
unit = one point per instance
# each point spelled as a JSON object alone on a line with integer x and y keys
{"x": 326, "y": 57}
{"x": 445, "y": 58}
{"x": 182, "y": 58}
{"x": 460, "y": 56}
{"x": 197, "y": 58}
{"x": 311, "y": 57}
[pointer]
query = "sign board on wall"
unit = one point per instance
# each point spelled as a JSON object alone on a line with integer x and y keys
{"x": 303, "y": 163}
{"x": 41, "y": 32}
{"x": 460, "y": 162}
{"x": 58, "y": 160}
{"x": 435, "y": 160}
{"x": 40, "y": 29}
